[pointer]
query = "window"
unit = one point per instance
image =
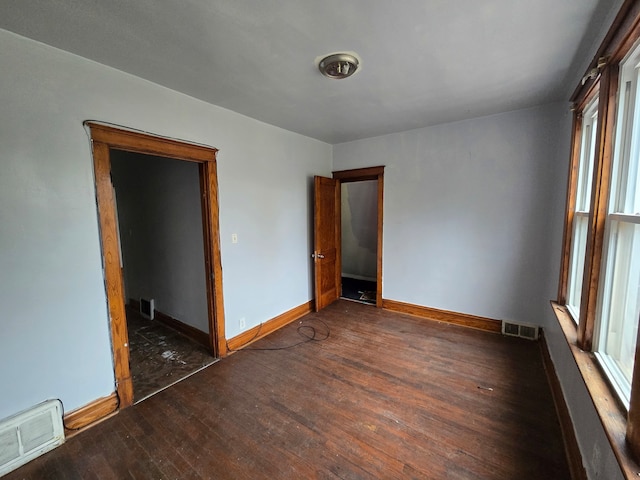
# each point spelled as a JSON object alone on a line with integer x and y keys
{"x": 618, "y": 296}
{"x": 582, "y": 205}
{"x": 599, "y": 293}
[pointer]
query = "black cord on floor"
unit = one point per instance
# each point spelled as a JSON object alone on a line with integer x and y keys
{"x": 309, "y": 332}
{"x": 255, "y": 336}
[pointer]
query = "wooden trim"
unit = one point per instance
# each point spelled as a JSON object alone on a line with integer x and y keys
{"x": 570, "y": 205}
{"x": 571, "y": 446}
{"x": 379, "y": 243}
{"x": 338, "y": 237}
{"x": 361, "y": 175}
{"x": 463, "y": 319}
{"x": 358, "y": 174}
{"x": 187, "y": 330}
{"x": 611, "y": 413}
{"x": 112, "y": 273}
{"x": 92, "y": 412}
{"x": 105, "y": 138}
{"x": 256, "y": 333}
{"x": 621, "y": 35}
{"x": 598, "y": 208}
{"x": 142, "y": 142}
{"x": 213, "y": 257}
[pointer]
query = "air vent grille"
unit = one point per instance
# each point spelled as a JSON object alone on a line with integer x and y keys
{"x": 29, "y": 434}
{"x": 529, "y": 332}
{"x": 147, "y": 308}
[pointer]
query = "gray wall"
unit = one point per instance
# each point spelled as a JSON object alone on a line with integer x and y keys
{"x": 472, "y": 212}
{"x": 160, "y": 219}
{"x": 473, "y": 219}
{"x": 485, "y": 241}
{"x": 359, "y": 229}
{"x": 55, "y": 340}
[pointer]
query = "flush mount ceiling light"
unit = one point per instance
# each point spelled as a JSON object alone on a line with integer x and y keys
{"x": 338, "y": 65}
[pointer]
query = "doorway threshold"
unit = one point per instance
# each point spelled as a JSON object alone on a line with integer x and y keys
{"x": 215, "y": 360}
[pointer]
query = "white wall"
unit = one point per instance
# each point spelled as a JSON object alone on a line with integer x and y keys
{"x": 473, "y": 219}
{"x": 467, "y": 212}
{"x": 55, "y": 340}
{"x": 160, "y": 218}
{"x": 359, "y": 217}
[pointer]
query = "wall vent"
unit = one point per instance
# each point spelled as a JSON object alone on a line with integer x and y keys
{"x": 147, "y": 308}
{"x": 29, "y": 434}
{"x": 529, "y": 332}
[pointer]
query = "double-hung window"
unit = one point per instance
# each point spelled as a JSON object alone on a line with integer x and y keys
{"x": 581, "y": 212}
{"x": 619, "y": 290}
{"x": 599, "y": 293}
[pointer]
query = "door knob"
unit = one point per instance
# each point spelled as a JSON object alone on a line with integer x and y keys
{"x": 317, "y": 255}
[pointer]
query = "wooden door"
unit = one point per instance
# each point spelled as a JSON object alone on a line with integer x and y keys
{"x": 326, "y": 241}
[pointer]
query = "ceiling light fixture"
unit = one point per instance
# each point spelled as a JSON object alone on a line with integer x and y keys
{"x": 338, "y": 65}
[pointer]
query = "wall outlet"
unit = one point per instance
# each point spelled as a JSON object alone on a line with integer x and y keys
{"x": 243, "y": 323}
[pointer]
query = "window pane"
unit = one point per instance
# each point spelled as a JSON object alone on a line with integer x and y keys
{"x": 581, "y": 212}
{"x": 587, "y": 154}
{"x": 620, "y": 319}
{"x": 576, "y": 269}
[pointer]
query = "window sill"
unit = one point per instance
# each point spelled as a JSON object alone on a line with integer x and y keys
{"x": 612, "y": 415}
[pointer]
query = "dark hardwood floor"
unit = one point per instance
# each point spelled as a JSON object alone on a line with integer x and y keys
{"x": 385, "y": 396}
{"x": 159, "y": 355}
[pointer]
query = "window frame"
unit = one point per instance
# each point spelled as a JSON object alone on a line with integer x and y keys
{"x": 622, "y": 426}
{"x": 583, "y": 161}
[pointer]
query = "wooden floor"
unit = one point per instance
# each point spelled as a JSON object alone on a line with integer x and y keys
{"x": 159, "y": 355}
{"x": 385, "y": 396}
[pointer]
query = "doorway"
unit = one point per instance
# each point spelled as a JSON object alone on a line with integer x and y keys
{"x": 327, "y": 253}
{"x": 159, "y": 217}
{"x": 105, "y": 141}
{"x": 359, "y": 232}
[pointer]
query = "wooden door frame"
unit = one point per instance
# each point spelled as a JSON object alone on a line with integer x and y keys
{"x": 361, "y": 175}
{"x": 104, "y": 138}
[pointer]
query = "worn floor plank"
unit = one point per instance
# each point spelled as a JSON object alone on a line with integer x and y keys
{"x": 385, "y": 396}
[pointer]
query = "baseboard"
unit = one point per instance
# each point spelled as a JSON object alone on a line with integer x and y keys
{"x": 189, "y": 331}
{"x": 572, "y": 450}
{"x": 463, "y": 319}
{"x": 359, "y": 277}
{"x": 193, "y": 333}
{"x": 260, "y": 331}
{"x": 91, "y": 413}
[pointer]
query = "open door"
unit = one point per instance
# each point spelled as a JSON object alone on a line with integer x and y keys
{"x": 326, "y": 241}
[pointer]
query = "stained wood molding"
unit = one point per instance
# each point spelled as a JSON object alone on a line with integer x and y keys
{"x": 358, "y": 174}
{"x": 472, "y": 321}
{"x": 92, "y": 412}
{"x": 256, "y": 333}
{"x": 187, "y": 330}
{"x": 571, "y": 447}
{"x": 104, "y": 139}
{"x": 612, "y": 414}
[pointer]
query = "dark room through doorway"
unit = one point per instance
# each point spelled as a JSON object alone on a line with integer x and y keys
{"x": 159, "y": 220}
{"x": 359, "y": 240}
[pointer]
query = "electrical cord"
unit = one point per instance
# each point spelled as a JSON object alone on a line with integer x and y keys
{"x": 308, "y": 332}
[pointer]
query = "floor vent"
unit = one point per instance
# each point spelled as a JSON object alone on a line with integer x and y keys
{"x": 147, "y": 308}
{"x": 520, "y": 330}
{"x": 29, "y": 434}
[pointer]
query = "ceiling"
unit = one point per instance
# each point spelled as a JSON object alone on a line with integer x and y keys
{"x": 424, "y": 62}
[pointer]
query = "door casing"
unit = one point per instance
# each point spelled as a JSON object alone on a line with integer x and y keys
{"x": 360, "y": 175}
{"x": 345, "y": 176}
{"x": 104, "y": 139}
